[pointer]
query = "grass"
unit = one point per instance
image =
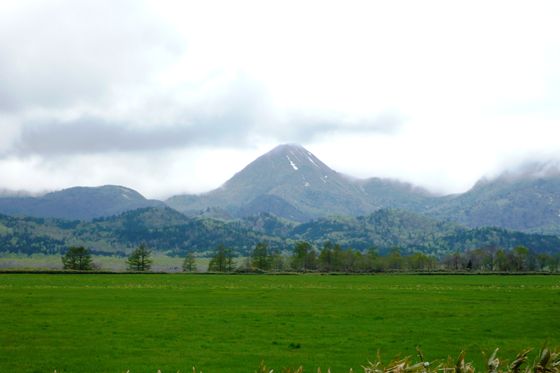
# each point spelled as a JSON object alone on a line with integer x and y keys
{"x": 162, "y": 263}
{"x": 142, "y": 323}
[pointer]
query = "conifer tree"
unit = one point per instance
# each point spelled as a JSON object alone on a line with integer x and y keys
{"x": 222, "y": 260}
{"x": 77, "y": 258}
{"x": 140, "y": 259}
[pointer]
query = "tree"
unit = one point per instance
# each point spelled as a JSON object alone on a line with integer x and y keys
{"x": 140, "y": 259}
{"x": 222, "y": 260}
{"x": 350, "y": 260}
{"x": 520, "y": 256}
{"x": 543, "y": 261}
{"x": 420, "y": 262}
{"x": 455, "y": 261}
{"x": 278, "y": 262}
{"x": 373, "y": 262}
{"x": 326, "y": 258}
{"x": 338, "y": 258}
{"x": 304, "y": 257}
{"x": 480, "y": 259}
{"x": 501, "y": 261}
{"x": 189, "y": 264}
{"x": 394, "y": 260}
{"x": 77, "y": 258}
{"x": 260, "y": 257}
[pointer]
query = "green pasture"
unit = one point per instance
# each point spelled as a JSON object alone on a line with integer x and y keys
{"x": 161, "y": 263}
{"x": 230, "y": 323}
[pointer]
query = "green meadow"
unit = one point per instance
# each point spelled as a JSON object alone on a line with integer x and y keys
{"x": 230, "y": 323}
{"x": 32, "y": 262}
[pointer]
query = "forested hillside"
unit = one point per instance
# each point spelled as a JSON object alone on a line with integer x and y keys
{"x": 528, "y": 202}
{"x": 168, "y": 231}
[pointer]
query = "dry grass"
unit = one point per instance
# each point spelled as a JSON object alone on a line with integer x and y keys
{"x": 547, "y": 361}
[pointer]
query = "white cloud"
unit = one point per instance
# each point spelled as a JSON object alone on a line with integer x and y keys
{"x": 435, "y": 92}
{"x": 156, "y": 175}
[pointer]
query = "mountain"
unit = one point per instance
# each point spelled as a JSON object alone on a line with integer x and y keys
{"x": 13, "y": 193}
{"x": 394, "y": 194}
{"x": 524, "y": 202}
{"x": 288, "y": 181}
{"x": 291, "y": 183}
{"x": 77, "y": 203}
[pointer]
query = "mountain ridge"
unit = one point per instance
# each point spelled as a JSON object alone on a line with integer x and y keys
{"x": 292, "y": 183}
{"x": 79, "y": 203}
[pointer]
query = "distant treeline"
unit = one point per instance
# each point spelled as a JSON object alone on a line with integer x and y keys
{"x": 332, "y": 257}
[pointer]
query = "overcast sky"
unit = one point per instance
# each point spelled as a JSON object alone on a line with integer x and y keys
{"x": 173, "y": 97}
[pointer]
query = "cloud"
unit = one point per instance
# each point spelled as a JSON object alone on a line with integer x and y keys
{"x": 227, "y": 120}
{"x": 234, "y": 118}
{"x": 119, "y": 76}
{"x": 307, "y": 128}
{"x": 235, "y": 128}
{"x": 94, "y": 135}
{"x": 420, "y": 95}
{"x": 64, "y": 53}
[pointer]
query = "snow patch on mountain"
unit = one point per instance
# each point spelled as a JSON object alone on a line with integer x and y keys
{"x": 312, "y": 161}
{"x": 292, "y": 163}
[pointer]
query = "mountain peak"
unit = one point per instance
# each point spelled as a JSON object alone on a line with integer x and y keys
{"x": 288, "y": 181}
{"x": 294, "y": 157}
{"x": 287, "y": 148}
{"x": 285, "y": 163}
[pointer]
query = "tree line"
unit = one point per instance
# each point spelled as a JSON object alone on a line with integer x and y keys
{"x": 331, "y": 257}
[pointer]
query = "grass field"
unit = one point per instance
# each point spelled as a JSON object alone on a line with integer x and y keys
{"x": 161, "y": 263}
{"x": 141, "y": 323}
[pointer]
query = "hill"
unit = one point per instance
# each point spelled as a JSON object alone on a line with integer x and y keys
{"x": 163, "y": 229}
{"x": 528, "y": 203}
{"x": 77, "y": 203}
{"x": 394, "y": 194}
{"x": 387, "y": 229}
{"x": 168, "y": 231}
